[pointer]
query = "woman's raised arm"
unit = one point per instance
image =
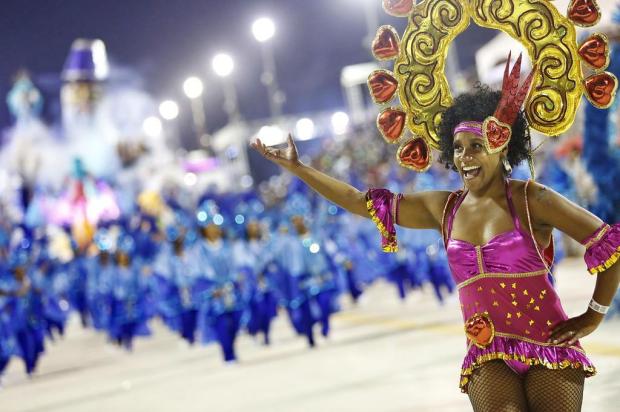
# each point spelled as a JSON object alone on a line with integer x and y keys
{"x": 420, "y": 210}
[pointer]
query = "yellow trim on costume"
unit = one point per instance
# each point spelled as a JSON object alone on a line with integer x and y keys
{"x": 480, "y": 360}
{"x": 598, "y": 236}
{"x": 479, "y": 259}
{"x": 500, "y": 276}
{"x": 535, "y": 342}
{"x": 607, "y": 264}
{"x": 392, "y": 246}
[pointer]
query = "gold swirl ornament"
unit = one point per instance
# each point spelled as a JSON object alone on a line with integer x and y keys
{"x": 560, "y": 80}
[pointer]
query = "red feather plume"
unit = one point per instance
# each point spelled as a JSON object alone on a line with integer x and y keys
{"x": 513, "y": 96}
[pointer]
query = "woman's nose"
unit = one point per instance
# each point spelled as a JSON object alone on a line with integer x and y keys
{"x": 467, "y": 153}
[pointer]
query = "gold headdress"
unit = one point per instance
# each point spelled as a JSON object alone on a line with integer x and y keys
{"x": 558, "y": 79}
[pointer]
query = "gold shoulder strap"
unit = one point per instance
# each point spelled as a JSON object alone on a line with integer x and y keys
{"x": 443, "y": 216}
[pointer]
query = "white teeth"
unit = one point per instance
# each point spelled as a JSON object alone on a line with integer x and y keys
{"x": 468, "y": 168}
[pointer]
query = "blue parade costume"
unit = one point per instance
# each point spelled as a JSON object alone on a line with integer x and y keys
{"x": 129, "y": 315}
{"x": 26, "y": 314}
{"x": 342, "y": 250}
{"x": 309, "y": 288}
{"x": 223, "y": 317}
{"x": 8, "y": 315}
{"x": 253, "y": 260}
{"x": 43, "y": 278}
{"x": 77, "y": 272}
{"x": 100, "y": 290}
{"x": 176, "y": 271}
{"x": 146, "y": 246}
{"x": 101, "y": 275}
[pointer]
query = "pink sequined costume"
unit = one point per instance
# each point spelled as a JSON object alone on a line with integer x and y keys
{"x": 508, "y": 303}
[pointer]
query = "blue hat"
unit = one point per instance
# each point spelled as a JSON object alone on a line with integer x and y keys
{"x": 209, "y": 213}
{"x": 173, "y": 233}
{"x": 103, "y": 240}
{"x": 87, "y": 61}
{"x": 125, "y": 243}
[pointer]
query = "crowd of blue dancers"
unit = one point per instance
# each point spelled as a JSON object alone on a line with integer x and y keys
{"x": 227, "y": 266}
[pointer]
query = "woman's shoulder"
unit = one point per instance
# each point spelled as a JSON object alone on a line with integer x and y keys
{"x": 532, "y": 185}
{"x": 536, "y": 192}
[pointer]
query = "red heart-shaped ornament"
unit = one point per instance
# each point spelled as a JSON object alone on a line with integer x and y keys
{"x": 497, "y": 134}
{"x": 601, "y": 89}
{"x": 595, "y": 51}
{"x": 480, "y": 330}
{"x": 385, "y": 46}
{"x": 382, "y": 85}
{"x": 415, "y": 154}
{"x": 584, "y": 13}
{"x": 398, "y": 8}
{"x": 391, "y": 123}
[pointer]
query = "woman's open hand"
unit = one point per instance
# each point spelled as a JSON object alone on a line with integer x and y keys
{"x": 286, "y": 157}
{"x": 568, "y": 332}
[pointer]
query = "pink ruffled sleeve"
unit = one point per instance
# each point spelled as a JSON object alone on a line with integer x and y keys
{"x": 602, "y": 248}
{"x": 382, "y": 206}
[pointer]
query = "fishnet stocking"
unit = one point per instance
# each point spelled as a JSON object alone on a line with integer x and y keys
{"x": 554, "y": 390}
{"x": 494, "y": 387}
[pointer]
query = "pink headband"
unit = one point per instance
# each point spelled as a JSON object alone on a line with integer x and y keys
{"x": 471, "y": 127}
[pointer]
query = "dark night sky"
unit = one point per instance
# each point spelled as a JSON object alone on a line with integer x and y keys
{"x": 167, "y": 40}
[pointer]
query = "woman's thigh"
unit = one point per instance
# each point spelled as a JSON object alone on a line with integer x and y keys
{"x": 554, "y": 390}
{"x": 495, "y": 387}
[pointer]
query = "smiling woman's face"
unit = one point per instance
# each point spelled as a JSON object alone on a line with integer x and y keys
{"x": 476, "y": 167}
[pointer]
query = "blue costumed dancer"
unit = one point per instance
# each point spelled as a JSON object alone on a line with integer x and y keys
{"x": 223, "y": 317}
{"x": 176, "y": 270}
{"x": 309, "y": 288}
{"x": 129, "y": 314}
{"x": 254, "y": 261}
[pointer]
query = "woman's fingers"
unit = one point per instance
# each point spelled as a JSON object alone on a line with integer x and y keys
{"x": 575, "y": 338}
{"x": 565, "y": 337}
{"x": 568, "y": 333}
{"x": 559, "y": 331}
{"x": 273, "y": 153}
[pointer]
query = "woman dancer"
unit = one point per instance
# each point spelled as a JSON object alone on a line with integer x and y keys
{"x": 523, "y": 351}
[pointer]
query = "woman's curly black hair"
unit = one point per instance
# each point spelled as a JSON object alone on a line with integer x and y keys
{"x": 477, "y": 106}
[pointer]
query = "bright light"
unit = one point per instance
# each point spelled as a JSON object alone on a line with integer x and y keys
{"x": 169, "y": 109}
{"x": 223, "y": 65}
{"x": 340, "y": 122}
{"x": 100, "y": 60}
{"x": 246, "y": 181}
{"x": 193, "y": 87}
{"x": 190, "y": 179}
{"x": 152, "y": 126}
{"x": 315, "y": 248}
{"x": 271, "y": 135}
{"x": 218, "y": 219}
{"x": 263, "y": 29}
{"x": 304, "y": 129}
